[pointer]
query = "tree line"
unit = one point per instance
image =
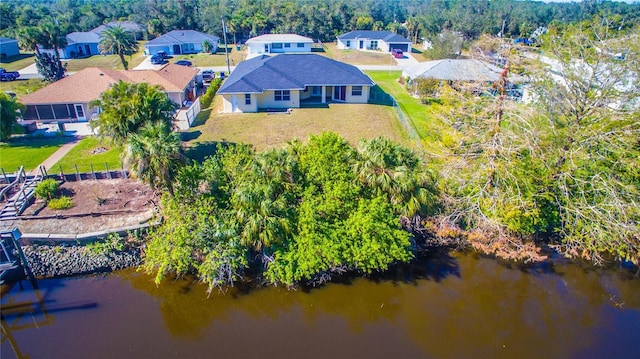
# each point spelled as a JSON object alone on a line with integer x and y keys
{"x": 322, "y": 20}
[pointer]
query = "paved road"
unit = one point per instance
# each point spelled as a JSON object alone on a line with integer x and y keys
{"x": 31, "y": 72}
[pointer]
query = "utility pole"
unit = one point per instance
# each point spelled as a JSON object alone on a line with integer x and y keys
{"x": 226, "y": 48}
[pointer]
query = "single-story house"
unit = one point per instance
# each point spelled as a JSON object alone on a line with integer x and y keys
{"x": 84, "y": 44}
{"x": 290, "y": 80}
{"x": 8, "y": 47}
{"x": 373, "y": 40}
{"x": 68, "y": 99}
{"x": 468, "y": 70}
{"x": 178, "y": 42}
{"x": 277, "y": 44}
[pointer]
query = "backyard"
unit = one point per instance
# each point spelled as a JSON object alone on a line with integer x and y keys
{"x": 429, "y": 128}
{"x": 89, "y": 151}
{"x": 28, "y": 152}
{"x": 263, "y": 130}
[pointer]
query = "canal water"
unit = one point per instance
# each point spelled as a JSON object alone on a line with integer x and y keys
{"x": 450, "y": 306}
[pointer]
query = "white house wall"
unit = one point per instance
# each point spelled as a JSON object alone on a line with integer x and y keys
{"x": 258, "y": 48}
{"x": 267, "y": 100}
{"x": 364, "y": 98}
{"x": 241, "y": 106}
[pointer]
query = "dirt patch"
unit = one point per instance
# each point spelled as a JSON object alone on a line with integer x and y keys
{"x": 98, "y": 205}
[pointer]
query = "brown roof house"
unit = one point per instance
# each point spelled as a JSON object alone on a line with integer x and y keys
{"x": 68, "y": 100}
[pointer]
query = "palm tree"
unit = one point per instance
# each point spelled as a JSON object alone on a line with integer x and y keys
{"x": 29, "y": 37}
{"x": 8, "y": 114}
{"x": 154, "y": 154}
{"x": 126, "y": 107}
{"x": 118, "y": 40}
{"x": 386, "y": 167}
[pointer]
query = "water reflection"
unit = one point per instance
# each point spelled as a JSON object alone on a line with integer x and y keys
{"x": 450, "y": 306}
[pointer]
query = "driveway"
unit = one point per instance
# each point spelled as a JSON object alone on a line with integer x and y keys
{"x": 147, "y": 65}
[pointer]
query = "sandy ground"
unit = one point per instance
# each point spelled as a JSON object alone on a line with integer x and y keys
{"x": 98, "y": 205}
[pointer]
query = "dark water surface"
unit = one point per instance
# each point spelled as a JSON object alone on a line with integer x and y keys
{"x": 457, "y": 306}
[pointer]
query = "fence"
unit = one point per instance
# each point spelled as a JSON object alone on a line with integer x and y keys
{"x": 92, "y": 175}
{"x": 185, "y": 118}
{"x": 379, "y": 97}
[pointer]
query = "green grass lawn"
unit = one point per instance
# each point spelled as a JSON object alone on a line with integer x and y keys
{"x": 22, "y": 87}
{"x": 106, "y": 61}
{"x": 82, "y": 155}
{"x": 18, "y": 62}
{"x": 356, "y": 57}
{"x": 429, "y": 127}
{"x": 28, "y": 153}
{"x": 352, "y": 121}
{"x": 216, "y": 59}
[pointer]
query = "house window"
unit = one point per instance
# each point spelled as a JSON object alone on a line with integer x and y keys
{"x": 374, "y": 44}
{"x": 301, "y": 44}
{"x": 356, "y": 91}
{"x": 247, "y": 99}
{"x": 282, "y": 95}
{"x": 348, "y": 43}
{"x": 286, "y": 44}
{"x": 276, "y": 45}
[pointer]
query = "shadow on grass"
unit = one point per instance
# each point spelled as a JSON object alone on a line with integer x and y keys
{"x": 190, "y": 136}
{"x": 202, "y": 117}
{"x": 378, "y": 96}
{"x": 10, "y": 59}
{"x": 202, "y": 150}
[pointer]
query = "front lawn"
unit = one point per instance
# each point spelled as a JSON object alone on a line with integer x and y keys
{"x": 356, "y": 57}
{"x": 90, "y": 151}
{"x": 352, "y": 121}
{"x": 23, "y": 87}
{"x": 28, "y": 152}
{"x": 106, "y": 61}
{"x": 17, "y": 62}
{"x": 215, "y": 59}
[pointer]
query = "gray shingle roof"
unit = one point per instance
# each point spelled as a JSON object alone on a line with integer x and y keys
{"x": 386, "y": 36}
{"x": 456, "y": 70}
{"x": 83, "y": 37}
{"x": 291, "y": 71}
{"x": 182, "y": 37}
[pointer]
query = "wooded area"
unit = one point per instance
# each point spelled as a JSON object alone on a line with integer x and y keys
{"x": 322, "y": 20}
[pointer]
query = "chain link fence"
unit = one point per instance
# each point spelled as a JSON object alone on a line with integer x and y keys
{"x": 379, "y": 97}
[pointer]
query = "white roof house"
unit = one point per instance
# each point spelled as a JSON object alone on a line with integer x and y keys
{"x": 454, "y": 70}
{"x": 277, "y": 44}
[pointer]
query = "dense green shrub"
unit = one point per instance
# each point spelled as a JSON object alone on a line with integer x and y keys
{"x": 47, "y": 189}
{"x": 205, "y": 100}
{"x": 63, "y": 202}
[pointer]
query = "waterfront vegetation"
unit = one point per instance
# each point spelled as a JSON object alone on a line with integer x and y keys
{"x": 302, "y": 213}
{"x": 507, "y": 178}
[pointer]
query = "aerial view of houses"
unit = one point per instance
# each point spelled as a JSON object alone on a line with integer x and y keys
{"x": 330, "y": 178}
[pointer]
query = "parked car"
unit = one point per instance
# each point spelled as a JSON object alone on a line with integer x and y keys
{"x": 162, "y": 54}
{"x": 208, "y": 75}
{"x": 157, "y": 60}
{"x": 184, "y": 63}
{"x": 397, "y": 53}
{"x": 8, "y": 75}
